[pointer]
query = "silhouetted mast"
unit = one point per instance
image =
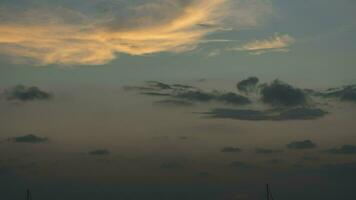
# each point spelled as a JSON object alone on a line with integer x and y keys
{"x": 28, "y": 196}
{"x": 269, "y": 193}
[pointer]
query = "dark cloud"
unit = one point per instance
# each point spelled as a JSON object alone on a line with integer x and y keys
{"x": 346, "y": 93}
{"x": 29, "y": 139}
{"x": 345, "y": 149}
{"x": 171, "y": 165}
{"x": 298, "y": 145}
{"x": 196, "y": 96}
{"x": 248, "y": 84}
{"x": 279, "y": 93}
{"x": 23, "y": 93}
{"x": 159, "y": 85}
{"x": 241, "y": 165}
{"x": 233, "y": 98}
{"x": 188, "y": 93}
{"x": 183, "y": 86}
{"x": 302, "y": 113}
{"x": 267, "y": 151}
{"x": 99, "y": 152}
{"x": 156, "y": 94}
{"x": 173, "y": 102}
{"x": 231, "y": 150}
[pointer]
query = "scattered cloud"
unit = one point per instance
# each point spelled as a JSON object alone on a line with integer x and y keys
{"x": 279, "y": 93}
{"x": 23, "y": 93}
{"x": 345, "y": 149}
{"x": 53, "y": 34}
{"x": 231, "y": 150}
{"x": 277, "y": 43}
{"x": 29, "y": 139}
{"x": 299, "y": 145}
{"x": 302, "y": 113}
{"x": 99, "y": 152}
{"x": 248, "y": 84}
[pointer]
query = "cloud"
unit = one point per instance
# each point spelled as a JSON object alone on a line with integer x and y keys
{"x": 183, "y": 94}
{"x": 201, "y": 96}
{"x": 346, "y": 93}
{"x": 299, "y": 145}
{"x": 231, "y": 150}
{"x": 279, "y": 93}
{"x": 50, "y": 33}
{"x": 99, "y": 152}
{"x": 156, "y": 94}
{"x": 302, "y": 113}
{"x": 277, "y": 43}
{"x": 233, "y": 98}
{"x": 172, "y": 102}
{"x": 345, "y": 149}
{"x": 267, "y": 151}
{"x": 29, "y": 139}
{"x": 248, "y": 84}
{"x": 23, "y": 93}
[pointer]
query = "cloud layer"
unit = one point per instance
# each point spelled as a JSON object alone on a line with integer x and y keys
{"x": 57, "y": 34}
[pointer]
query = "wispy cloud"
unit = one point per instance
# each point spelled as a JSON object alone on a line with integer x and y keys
{"x": 277, "y": 43}
{"x": 60, "y": 35}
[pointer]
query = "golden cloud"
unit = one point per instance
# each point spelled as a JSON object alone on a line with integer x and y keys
{"x": 275, "y": 43}
{"x": 163, "y": 26}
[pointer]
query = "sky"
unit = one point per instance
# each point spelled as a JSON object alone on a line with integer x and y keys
{"x": 177, "y": 99}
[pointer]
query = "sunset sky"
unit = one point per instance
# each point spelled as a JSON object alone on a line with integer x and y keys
{"x": 177, "y": 99}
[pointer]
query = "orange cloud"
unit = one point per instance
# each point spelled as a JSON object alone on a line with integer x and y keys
{"x": 95, "y": 42}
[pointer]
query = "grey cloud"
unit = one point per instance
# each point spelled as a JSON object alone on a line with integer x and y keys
{"x": 233, "y": 98}
{"x": 302, "y": 113}
{"x": 248, "y": 84}
{"x": 156, "y": 94}
{"x": 279, "y": 93}
{"x": 200, "y": 96}
{"x": 231, "y": 150}
{"x": 189, "y": 93}
{"x": 299, "y": 145}
{"x": 173, "y": 102}
{"x": 29, "y": 139}
{"x": 99, "y": 152}
{"x": 346, "y": 93}
{"x": 159, "y": 85}
{"x": 196, "y": 96}
{"x": 23, "y": 93}
{"x": 267, "y": 151}
{"x": 345, "y": 149}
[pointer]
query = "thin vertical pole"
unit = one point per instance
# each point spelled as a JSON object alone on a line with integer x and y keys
{"x": 28, "y": 195}
{"x": 267, "y": 187}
